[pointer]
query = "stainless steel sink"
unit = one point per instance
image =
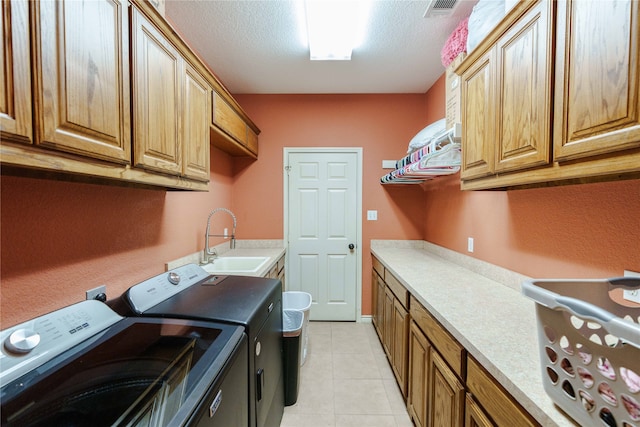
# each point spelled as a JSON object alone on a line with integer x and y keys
{"x": 246, "y": 265}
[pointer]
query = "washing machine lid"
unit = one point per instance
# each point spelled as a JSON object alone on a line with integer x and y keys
{"x": 136, "y": 371}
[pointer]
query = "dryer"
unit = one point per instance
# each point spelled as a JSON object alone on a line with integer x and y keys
{"x": 254, "y": 303}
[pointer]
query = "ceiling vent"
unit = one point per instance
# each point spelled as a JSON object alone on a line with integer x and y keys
{"x": 440, "y": 8}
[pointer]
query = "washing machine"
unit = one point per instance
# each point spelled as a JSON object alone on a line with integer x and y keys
{"x": 85, "y": 365}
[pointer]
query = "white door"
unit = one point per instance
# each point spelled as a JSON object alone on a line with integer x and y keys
{"x": 323, "y": 198}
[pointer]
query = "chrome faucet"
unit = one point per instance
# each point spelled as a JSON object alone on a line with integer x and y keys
{"x": 210, "y": 254}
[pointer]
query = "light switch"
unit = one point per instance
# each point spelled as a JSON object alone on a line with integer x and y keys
{"x": 372, "y": 215}
{"x": 388, "y": 164}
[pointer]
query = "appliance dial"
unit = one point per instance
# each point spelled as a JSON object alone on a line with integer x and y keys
{"x": 22, "y": 341}
{"x": 174, "y": 278}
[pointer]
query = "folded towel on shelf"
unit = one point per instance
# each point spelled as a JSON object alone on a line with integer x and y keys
{"x": 426, "y": 135}
{"x": 444, "y": 161}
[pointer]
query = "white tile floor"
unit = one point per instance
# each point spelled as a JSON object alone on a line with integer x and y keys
{"x": 346, "y": 381}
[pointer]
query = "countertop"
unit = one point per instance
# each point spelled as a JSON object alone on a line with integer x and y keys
{"x": 489, "y": 316}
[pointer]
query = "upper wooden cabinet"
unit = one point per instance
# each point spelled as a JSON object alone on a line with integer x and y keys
{"x": 230, "y": 131}
{"x": 478, "y": 100}
{"x": 506, "y": 99}
{"x": 110, "y": 92}
{"x": 82, "y": 78}
{"x": 157, "y": 75}
{"x": 15, "y": 73}
{"x": 525, "y": 124}
{"x": 196, "y": 111}
{"x": 598, "y": 111}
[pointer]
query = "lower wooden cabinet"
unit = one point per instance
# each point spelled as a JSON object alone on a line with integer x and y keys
{"x": 391, "y": 319}
{"x": 445, "y": 396}
{"x": 419, "y": 361}
{"x": 442, "y": 384}
{"x": 387, "y": 316}
{"x": 497, "y": 403}
{"x": 400, "y": 328}
{"x": 474, "y": 416}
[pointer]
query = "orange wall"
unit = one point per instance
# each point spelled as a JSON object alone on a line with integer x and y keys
{"x": 589, "y": 230}
{"x": 59, "y": 239}
{"x": 381, "y": 124}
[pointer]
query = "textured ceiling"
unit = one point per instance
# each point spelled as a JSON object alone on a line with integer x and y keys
{"x": 256, "y": 47}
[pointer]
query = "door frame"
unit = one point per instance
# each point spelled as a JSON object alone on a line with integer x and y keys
{"x": 307, "y": 150}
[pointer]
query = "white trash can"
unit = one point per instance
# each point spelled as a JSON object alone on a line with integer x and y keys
{"x": 301, "y": 301}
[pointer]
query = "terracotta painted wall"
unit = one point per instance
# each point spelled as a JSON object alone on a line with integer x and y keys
{"x": 381, "y": 124}
{"x": 59, "y": 239}
{"x": 581, "y": 231}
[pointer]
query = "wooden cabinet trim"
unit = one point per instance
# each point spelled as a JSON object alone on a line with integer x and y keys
{"x": 494, "y": 399}
{"x": 451, "y": 350}
{"x": 397, "y": 288}
{"x": 377, "y": 266}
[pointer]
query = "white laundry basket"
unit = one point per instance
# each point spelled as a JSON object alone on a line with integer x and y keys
{"x": 301, "y": 301}
{"x": 589, "y": 340}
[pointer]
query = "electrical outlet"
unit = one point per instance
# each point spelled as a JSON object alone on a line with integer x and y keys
{"x": 470, "y": 244}
{"x": 631, "y": 295}
{"x": 372, "y": 215}
{"x": 92, "y": 293}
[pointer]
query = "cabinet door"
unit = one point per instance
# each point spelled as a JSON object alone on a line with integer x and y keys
{"x": 400, "y": 326}
{"x": 82, "y": 78}
{"x": 195, "y": 118}
{"x": 524, "y": 83}
{"x": 474, "y": 415}
{"x": 418, "y": 378}
{"x": 157, "y": 87}
{"x": 446, "y": 395}
{"x": 478, "y": 103}
{"x": 598, "y": 111}
{"x": 374, "y": 300}
{"x": 387, "y": 336}
{"x": 15, "y": 73}
{"x": 380, "y": 307}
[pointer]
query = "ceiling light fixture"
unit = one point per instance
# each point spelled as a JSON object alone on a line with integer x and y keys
{"x": 335, "y": 28}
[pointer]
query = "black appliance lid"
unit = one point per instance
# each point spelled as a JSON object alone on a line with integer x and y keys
{"x": 243, "y": 300}
{"x": 120, "y": 374}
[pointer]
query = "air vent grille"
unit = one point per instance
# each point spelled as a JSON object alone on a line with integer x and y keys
{"x": 440, "y": 8}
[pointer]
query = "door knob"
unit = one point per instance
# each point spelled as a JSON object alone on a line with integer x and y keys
{"x": 351, "y": 246}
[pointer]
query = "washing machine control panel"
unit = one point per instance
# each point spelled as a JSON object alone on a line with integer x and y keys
{"x": 157, "y": 289}
{"x": 30, "y": 344}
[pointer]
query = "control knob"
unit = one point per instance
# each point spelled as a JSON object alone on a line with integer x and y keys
{"x": 174, "y": 278}
{"x": 22, "y": 341}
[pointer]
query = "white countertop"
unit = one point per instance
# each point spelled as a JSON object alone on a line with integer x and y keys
{"x": 492, "y": 320}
